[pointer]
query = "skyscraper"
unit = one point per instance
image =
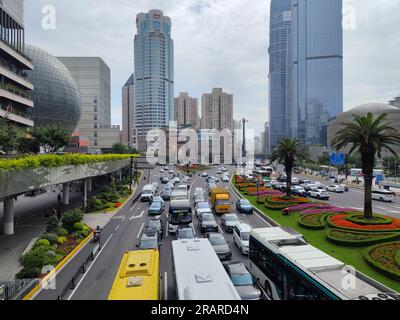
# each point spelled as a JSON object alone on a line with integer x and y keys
{"x": 15, "y": 99}
{"x": 186, "y": 111}
{"x": 279, "y": 63}
{"x": 128, "y": 111}
{"x": 217, "y": 110}
{"x": 154, "y": 74}
{"x": 316, "y": 88}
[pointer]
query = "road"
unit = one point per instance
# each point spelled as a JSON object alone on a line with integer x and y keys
{"x": 122, "y": 234}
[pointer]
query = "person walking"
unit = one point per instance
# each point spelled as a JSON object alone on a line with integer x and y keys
{"x": 59, "y": 198}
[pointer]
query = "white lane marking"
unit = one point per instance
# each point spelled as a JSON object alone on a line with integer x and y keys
{"x": 136, "y": 217}
{"x": 393, "y": 211}
{"x": 381, "y": 208}
{"x": 220, "y": 229}
{"x": 116, "y": 228}
{"x": 140, "y": 231}
{"x": 165, "y": 285}
{"x": 167, "y": 231}
{"x": 90, "y": 267}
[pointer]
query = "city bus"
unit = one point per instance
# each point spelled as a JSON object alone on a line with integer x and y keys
{"x": 198, "y": 272}
{"x": 288, "y": 268}
{"x": 138, "y": 277}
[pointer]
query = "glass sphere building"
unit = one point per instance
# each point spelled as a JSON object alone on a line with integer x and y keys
{"x": 56, "y": 96}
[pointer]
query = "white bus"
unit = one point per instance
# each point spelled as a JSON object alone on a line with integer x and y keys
{"x": 287, "y": 268}
{"x": 383, "y": 195}
{"x": 199, "y": 274}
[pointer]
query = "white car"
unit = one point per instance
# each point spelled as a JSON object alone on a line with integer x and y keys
{"x": 177, "y": 180}
{"x": 198, "y": 191}
{"x": 224, "y": 169}
{"x": 241, "y": 236}
{"x": 225, "y": 179}
{"x": 204, "y": 174}
{"x": 319, "y": 194}
{"x": 335, "y": 188}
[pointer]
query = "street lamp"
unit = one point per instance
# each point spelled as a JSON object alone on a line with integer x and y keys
{"x": 244, "y": 137}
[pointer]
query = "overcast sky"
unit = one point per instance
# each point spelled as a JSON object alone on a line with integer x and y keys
{"x": 219, "y": 43}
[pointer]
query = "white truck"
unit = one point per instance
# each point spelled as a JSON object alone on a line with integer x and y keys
{"x": 148, "y": 192}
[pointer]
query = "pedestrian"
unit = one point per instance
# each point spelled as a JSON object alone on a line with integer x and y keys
{"x": 59, "y": 198}
{"x": 54, "y": 212}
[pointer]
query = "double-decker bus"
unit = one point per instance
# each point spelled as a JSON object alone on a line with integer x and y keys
{"x": 288, "y": 268}
{"x": 198, "y": 273}
{"x": 138, "y": 277}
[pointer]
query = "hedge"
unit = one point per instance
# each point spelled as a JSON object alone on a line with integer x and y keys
{"x": 387, "y": 255}
{"x": 377, "y": 220}
{"x": 52, "y": 161}
{"x": 365, "y": 238}
{"x": 305, "y": 221}
{"x": 373, "y": 230}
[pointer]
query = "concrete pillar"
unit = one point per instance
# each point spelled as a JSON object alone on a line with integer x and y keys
{"x": 66, "y": 187}
{"x": 85, "y": 188}
{"x": 120, "y": 175}
{"x": 89, "y": 184}
{"x": 9, "y": 216}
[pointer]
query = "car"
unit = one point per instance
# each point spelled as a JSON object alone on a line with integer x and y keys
{"x": 224, "y": 169}
{"x": 319, "y": 194}
{"x": 183, "y": 187}
{"x": 229, "y": 221}
{"x": 210, "y": 187}
{"x": 186, "y": 180}
{"x": 204, "y": 174}
{"x": 166, "y": 193}
{"x": 176, "y": 180}
{"x": 155, "y": 224}
{"x": 201, "y": 207}
{"x": 300, "y": 191}
{"x": 345, "y": 187}
{"x": 171, "y": 172}
{"x": 244, "y": 206}
{"x": 185, "y": 232}
{"x": 335, "y": 188}
{"x": 207, "y": 223}
{"x": 199, "y": 198}
{"x": 219, "y": 171}
{"x": 243, "y": 281}
{"x": 161, "y": 170}
{"x": 198, "y": 191}
{"x": 155, "y": 184}
{"x": 220, "y": 246}
{"x": 166, "y": 168}
{"x": 241, "y": 236}
{"x": 225, "y": 179}
{"x": 156, "y": 198}
{"x": 156, "y": 208}
{"x": 149, "y": 241}
{"x": 164, "y": 180}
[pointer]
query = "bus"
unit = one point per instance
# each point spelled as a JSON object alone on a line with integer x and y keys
{"x": 138, "y": 277}
{"x": 288, "y": 268}
{"x": 180, "y": 211}
{"x": 383, "y": 195}
{"x": 198, "y": 272}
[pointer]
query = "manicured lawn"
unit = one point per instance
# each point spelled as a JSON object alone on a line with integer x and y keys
{"x": 350, "y": 256}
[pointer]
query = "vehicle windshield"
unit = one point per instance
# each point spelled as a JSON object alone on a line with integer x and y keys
{"x": 222, "y": 202}
{"x": 245, "y": 202}
{"x": 145, "y": 192}
{"x": 207, "y": 217}
{"x": 148, "y": 244}
{"x": 154, "y": 224}
{"x": 179, "y": 197}
{"x": 245, "y": 236}
{"x": 178, "y": 218}
{"x": 185, "y": 234}
{"x": 203, "y": 205}
{"x": 217, "y": 241}
{"x": 156, "y": 204}
{"x": 231, "y": 218}
{"x": 244, "y": 279}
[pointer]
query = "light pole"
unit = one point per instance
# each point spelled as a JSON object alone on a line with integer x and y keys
{"x": 244, "y": 137}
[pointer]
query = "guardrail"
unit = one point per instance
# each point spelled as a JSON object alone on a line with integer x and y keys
{"x": 16, "y": 289}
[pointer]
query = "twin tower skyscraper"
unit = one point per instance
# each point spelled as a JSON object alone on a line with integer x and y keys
{"x": 306, "y": 69}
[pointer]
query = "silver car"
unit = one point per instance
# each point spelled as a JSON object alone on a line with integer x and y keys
{"x": 243, "y": 281}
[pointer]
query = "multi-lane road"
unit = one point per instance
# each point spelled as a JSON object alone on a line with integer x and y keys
{"x": 124, "y": 231}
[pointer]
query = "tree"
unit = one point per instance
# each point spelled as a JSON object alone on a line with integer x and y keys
{"x": 51, "y": 138}
{"x": 8, "y": 136}
{"x": 369, "y": 135}
{"x": 287, "y": 153}
{"x": 119, "y": 148}
{"x": 28, "y": 145}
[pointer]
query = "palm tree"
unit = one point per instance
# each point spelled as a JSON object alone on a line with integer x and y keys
{"x": 369, "y": 135}
{"x": 287, "y": 152}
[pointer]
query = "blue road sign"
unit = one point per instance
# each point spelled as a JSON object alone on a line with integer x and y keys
{"x": 337, "y": 159}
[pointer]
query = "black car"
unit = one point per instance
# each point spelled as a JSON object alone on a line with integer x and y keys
{"x": 155, "y": 224}
{"x": 166, "y": 193}
{"x": 207, "y": 223}
{"x": 220, "y": 246}
{"x": 229, "y": 221}
{"x": 244, "y": 206}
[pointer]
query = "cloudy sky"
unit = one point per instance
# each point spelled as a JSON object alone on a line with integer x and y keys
{"x": 220, "y": 43}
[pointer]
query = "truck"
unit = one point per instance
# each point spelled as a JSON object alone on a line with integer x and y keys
{"x": 220, "y": 200}
{"x": 147, "y": 193}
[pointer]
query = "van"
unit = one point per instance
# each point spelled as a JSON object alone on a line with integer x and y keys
{"x": 383, "y": 195}
{"x": 241, "y": 236}
{"x": 147, "y": 193}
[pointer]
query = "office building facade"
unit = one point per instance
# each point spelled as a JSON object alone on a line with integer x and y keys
{"x": 316, "y": 87}
{"x": 15, "y": 89}
{"x": 128, "y": 112}
{"x": 186, "y": 111}
{"x": 279, "y": 64}
{"x": 154, "y": 74}
{"x": 217, "y": 110}
{"x": 92, "y": 77}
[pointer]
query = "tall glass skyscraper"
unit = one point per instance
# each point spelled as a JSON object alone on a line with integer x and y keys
{"x": 316, "y": 89}
{"x": 154, "y": 74}
{"x": 279, "y": 62}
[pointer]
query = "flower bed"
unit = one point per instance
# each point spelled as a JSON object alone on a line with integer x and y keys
{"x": 377, "y": 220}
{"x": 383, "y": 258}
{"x": 110, "y": 198}
{"x": 282, "y": 202}
{"x": 314, "y": 221}
{"x": 341, "y": 221}
{"x": 359, "y": 238}
{"x": 302, "y": 207}
{"x": 266, "y": 193}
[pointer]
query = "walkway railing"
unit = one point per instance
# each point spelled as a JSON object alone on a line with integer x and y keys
{"x": 15, "y": 289}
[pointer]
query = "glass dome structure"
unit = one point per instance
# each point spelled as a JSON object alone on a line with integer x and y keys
{"x": 56, "y": 96}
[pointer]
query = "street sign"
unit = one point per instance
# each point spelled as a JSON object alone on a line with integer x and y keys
{"x": 337, "y": 159}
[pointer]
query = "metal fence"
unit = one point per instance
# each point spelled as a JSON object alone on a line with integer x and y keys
{"x": 15, "y": 289}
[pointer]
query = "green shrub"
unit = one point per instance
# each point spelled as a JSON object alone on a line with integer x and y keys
{"x": 382, "y": 257}
{"x": 36, "y": 259}
{"x": 312, "y": 221}
{"x": 61, "y": 240}
{"x": 359, "y": 239}
{"x": 51, "y": 237}
{"x": 70, "y": 218}
{"x": 78, "y": 226}
{"x": 377, "y": 220}
{"x": 62, "y": 232}
{"x": 42, "y": 243}
{"x": 52, "y": 224}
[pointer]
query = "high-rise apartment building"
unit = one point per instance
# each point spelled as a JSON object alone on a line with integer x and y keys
{"x": 266, "y": 138}
{"x": 154, "y": 74}
{"x": 15, "y": 98}
{"x": 316, "y": 88}
{"x": 186, "y": 111}
{"x": 217, "y": 110}
{"x": 128, "y": 111}
{"x": 279, "y": 64}
{"x": 93, "y": 77}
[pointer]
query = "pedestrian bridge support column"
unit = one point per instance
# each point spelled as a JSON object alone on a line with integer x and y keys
{"x": 9, "y": 216}
{"x": 66, "y": 187}
{"x": 89, "y": 184}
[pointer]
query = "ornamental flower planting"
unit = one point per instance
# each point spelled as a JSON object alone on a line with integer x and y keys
{"x": 341, "y": 221}
{"x": 385, "y": 259}
{"x": 329, "y": 210}
{"x": 267, "y": 193}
